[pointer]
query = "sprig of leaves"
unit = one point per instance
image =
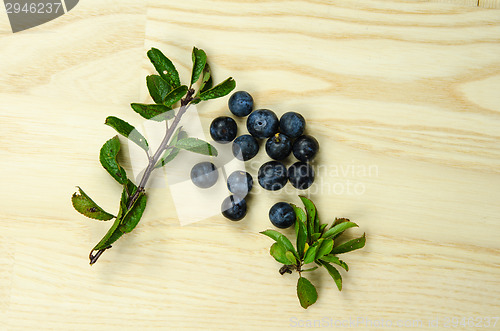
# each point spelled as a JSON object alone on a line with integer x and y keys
{"x": 313, "y": 245}
{"x": 166, "y": 91}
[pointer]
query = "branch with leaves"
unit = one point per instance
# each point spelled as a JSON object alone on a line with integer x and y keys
{"x": 315, "y": 244}
{"x": 167, "y": 92}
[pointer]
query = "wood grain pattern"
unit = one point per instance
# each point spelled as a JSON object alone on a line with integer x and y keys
{"x": 402, "y": 96}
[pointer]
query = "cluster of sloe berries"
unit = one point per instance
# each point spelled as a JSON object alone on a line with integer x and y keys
{"x": 284, "y": 136}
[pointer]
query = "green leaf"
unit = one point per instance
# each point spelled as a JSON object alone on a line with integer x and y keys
{"x": 306, "y": 292}
{"x": 206, "y": 81}
{"x": 153, "y": 112}
{"x": 310, "y": 254}
{"x": 301, "y": 215}
{"x": 351, "y": 245}
{"x": 158, "y": 88}
{"x": 127, "y": 131}
{"x": 309, "y": 269}
{"x": 279, "y": 253}
{"x": 325, "y": 248}
{"x": 281, "y": 239}
{"x": 199, "y": 61}
{"x": 197, "y": 146}
{"x": 113, "y": 234}
{"x": 175, "y": 95}
{"x": 322, "y": 227}
{"x": 165, "y": 67}
{"x": 311, "y": 212}
{"x": 289, "y": 255}
{"x": 315, "y": 236}
{"x": 338, "y": 221}
{"x": 312, "y": 223}
{"x": 219, "y": 90}
{"x": 107, "y": 157}
{"x": 86, "y": 206}
{"x": 333, "y": 259}
{"x": 334, "y": 273}
{"x": 301, "y": 236}
{"x": 338, "y": 229}
{"x": 128, "y": 190}
{"x": 134, "y": 214}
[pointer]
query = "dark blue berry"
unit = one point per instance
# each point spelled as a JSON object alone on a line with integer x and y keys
{"x": 240, "y": 183}
{"x": 301, "y": 175}
{"x": 245, "y": 147}
{"x": 223, "y": 129}
{"x": 292, "y": 124}
{"x": 282, "y": 215}
{"x": 234, "y": 208}
{"x": 279, "y": 146}
{"x": 305, "y": 148}
{"x": 240, "y": 103}
{"x": 272, "y": 175}
{"x": 262, "y": 123}
{"x": 204, "y": 174}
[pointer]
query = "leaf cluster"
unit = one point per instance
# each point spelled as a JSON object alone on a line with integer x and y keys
{"x": 314, "y": 244}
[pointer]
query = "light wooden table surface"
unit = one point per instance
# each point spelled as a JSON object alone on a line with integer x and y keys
{"x": 408, "y": 89}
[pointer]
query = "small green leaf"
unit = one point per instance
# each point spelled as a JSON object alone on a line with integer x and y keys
{"x": 322, "y": 227}
{"x": 315, "y": 236}
{"x": 107, "y": 157}
{"x": 128, "y": 190}
{"x": 279, "y": 253}
{"x": 338, "y": 229}
{"x": 301, "y": 236}
{"x": 281, "y": 239}
{"x": 199, "y": 61}
{"x": 334, "y": 273}
{"x": 153, "y": 112}
{"x": 134, "y": 214}
{"x": 175, "y": 95}
{"x": 289, "y": 255}
{"x": 197, "y": 146}
{"x": 86, "y": 206}
{"x": 325, "y": 248}
{"x": 310, "y": 269}
{"x": 333, "y": 259}
{"x": 351, "y": 245}
{"x": 110, "y": 237}
{"x": 306, "y": 292}
{"x": 219, "y": 90}
{"x": 206, "y": 82}
{"x": 338, "y": 221}
{"x": 115, "y": 232}
{"x": 313, "y": 225}
{"x": 165, "y": 67}
{"x": 127, "y": 131}
{"x": 310, "y": 254}
{"x": 272, "y": 234}
{"x": 301, "y": 215}
{"x": 158, "y": 88}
